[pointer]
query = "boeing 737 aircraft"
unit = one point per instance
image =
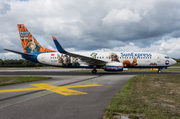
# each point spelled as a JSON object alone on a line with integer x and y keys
{"x": 109, "y": 61}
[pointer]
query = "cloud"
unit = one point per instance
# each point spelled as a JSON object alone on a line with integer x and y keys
{"x": 92, "y": 25}
{"x": 123, "y": 16}
{"x": 4, "y": 7}
{"x": 169, "y": 47}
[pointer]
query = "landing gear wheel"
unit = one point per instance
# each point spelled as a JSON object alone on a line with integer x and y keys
{"x": 94, "y": 71}
{"x": 159, "y": 71}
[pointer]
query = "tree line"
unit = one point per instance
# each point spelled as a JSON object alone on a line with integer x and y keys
{"x": 19, "y": 63}
{"x": 177, "y": 60}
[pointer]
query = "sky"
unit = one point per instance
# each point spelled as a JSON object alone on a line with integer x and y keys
{"x": 93, "y": 25}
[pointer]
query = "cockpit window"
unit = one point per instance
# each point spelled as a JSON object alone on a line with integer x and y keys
{"x": 167, "y": 57}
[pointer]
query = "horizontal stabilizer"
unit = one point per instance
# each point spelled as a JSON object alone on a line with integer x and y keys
{"x": 19, "y": 52}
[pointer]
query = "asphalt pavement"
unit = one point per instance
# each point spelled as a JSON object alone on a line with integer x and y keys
{"x": 72, "y": 96}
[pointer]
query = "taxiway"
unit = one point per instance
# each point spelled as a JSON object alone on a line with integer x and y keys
{"x": 63, "y": 96}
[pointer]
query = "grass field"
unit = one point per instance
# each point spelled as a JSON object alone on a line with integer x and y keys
{"x": 150, "y": 96}
{"x": 19, "y": 79}
{"x": 26, "y": 68}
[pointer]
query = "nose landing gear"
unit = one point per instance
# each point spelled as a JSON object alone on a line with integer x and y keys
{"x": 159, "y": 71}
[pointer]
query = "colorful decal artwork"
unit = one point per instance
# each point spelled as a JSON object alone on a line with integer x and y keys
{"x": 128, "y": 63}
{"x": 74, "y": 62}
{"x": 32, "y": 47}
{"x": 65, "y": 60}
{"x": 113, "y": 57}
{"x": 167, "y": 62}
{"x": 29, "y": 43}
{"x": 93, "y": 55}
{"x": 153, "y": 64}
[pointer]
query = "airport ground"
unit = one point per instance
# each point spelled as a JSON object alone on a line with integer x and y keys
{"x": 87, "y": 98}
{"x": 82, "y": 95}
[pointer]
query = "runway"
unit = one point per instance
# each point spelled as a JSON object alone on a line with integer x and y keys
{"x": 65, "y": 97}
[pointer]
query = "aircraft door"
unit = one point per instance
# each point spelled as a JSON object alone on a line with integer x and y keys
{"x": 43, "y": 58}
{"x": 158, "y": 59}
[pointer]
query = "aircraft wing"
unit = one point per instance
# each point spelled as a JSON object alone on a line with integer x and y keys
{"x": 89, "y": 60}
{"x": 19, "y": 52}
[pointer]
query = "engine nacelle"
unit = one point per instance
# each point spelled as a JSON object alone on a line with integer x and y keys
{"x": 114, "y": 66}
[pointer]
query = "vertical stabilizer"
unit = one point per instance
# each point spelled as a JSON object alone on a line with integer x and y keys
{"x": 29, "y": 43}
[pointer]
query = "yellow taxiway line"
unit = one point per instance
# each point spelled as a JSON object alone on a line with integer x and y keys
{"x": 64, "y": 90}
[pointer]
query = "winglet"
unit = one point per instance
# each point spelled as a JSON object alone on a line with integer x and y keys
{"x": 58, "y": 46}
{"x": 54, "y": 38}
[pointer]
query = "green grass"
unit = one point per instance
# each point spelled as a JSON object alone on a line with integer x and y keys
{"x": 171, "y": 69}
{"x": 153, "y": 96}
{"x": 19, "y": 79}
{"x": 26, "y": 68}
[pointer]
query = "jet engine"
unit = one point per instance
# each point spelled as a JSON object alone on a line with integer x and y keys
{"x": 114, "y": 66}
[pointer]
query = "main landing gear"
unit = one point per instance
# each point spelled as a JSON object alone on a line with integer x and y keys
{"x": 159, "y": 71}
{"x": 94, "y": 71}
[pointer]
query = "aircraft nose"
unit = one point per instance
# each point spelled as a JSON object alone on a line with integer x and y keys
{"x": 174, "y": 62}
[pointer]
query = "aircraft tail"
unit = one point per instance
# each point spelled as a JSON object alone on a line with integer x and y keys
{"x": 29, "y": 43}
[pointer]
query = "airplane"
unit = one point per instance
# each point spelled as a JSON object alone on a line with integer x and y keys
{"x": 109, "y": 61}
